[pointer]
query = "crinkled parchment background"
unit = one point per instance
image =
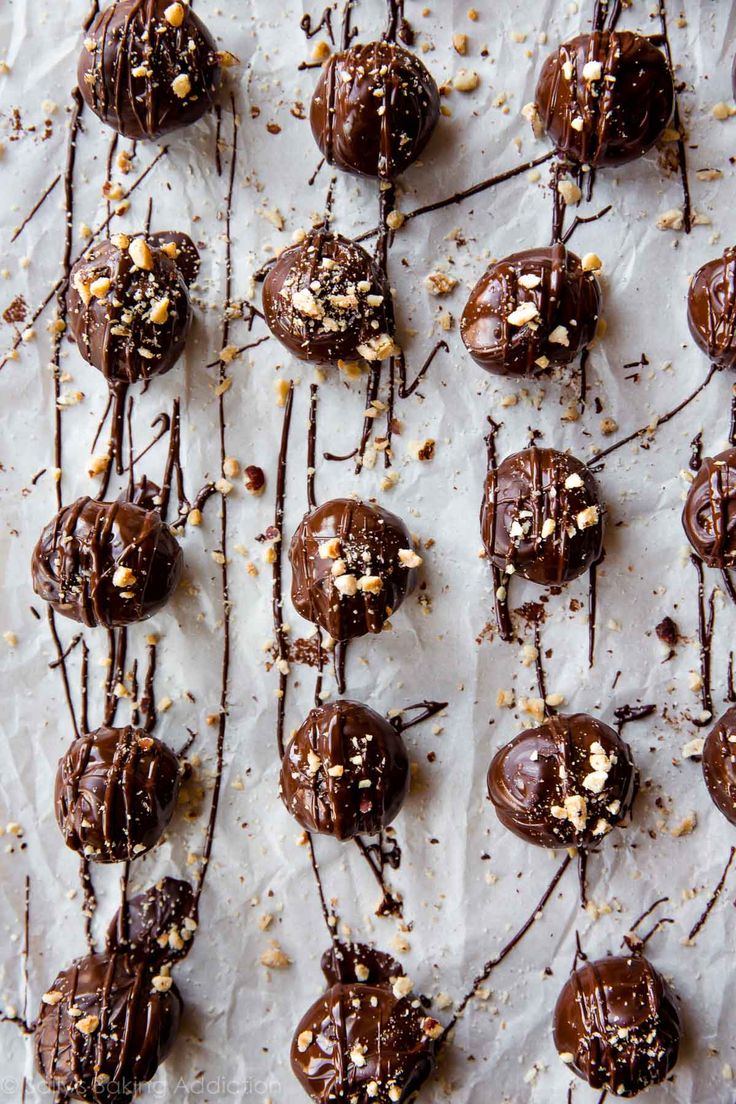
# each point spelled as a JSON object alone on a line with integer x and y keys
{"x": 467, "y": 884}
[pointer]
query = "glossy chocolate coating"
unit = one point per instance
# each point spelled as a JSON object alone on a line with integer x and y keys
{"x": 709, "y": 514}
{"x": 124, "y": 1030}
{"x": 719, "y": 764}
{"x": 349, "y": 962}
{"x": 326, "y": 300}
{"x": 359, "y": 1035}
{"x": 617, "y": 1025}
{"x": 370, "y": 539}
{"x": 115, "y": 329}
{"x": 157, "y": 925}
{"x": 566, "y": 783}
{"x": 144, "y": 77}
{"x": 374, "y": 109}
{"x": 541, "y": 516}
{"x": 567, "y": 302}
{"x": 179, "y": 248}
{"x": 326, "y": 788}
{"x": 613, "y": 117}
{"x": 76, "y": 561}
{"x": 711, "y": 309}
{"x": 116, "y": 789}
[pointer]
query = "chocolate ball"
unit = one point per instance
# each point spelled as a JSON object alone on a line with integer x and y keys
{"x": 157, "y": 925}
{"x": 104, "y": 1027}
{"x": 349, "y": 962}
{"x": 116, "y": 789}
{"x": 719, "y": 764}
{"x": 148, "y": 68}
{"x": 326, "y": 300}
{"x": 106, "y": 563}
{"x": 605, "y": 98}
{"x": 129, "y": 308}
{"x": 711, "y": 309}
{"x": 374, "y": 109}
{"x": 567, "y": 783}
{"x": 345, "y": 772}
{"x": 361, "y": 1042}
{"x": 616, "y": 1024}
{"x": 530, "y": 312}
{"x": 541, "y": 516}
{"x": 709, "y": 514}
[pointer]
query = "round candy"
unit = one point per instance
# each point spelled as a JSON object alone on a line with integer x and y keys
{"x": 709, "y": 515}
{"x": 711, "y": 309}
{"x": 719, "y": 764}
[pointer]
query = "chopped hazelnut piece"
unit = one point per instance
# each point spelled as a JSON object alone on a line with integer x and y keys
{"x": 409, "y": 558}
{"x": 140, "y": 254}
{"x": 181, "y": 86}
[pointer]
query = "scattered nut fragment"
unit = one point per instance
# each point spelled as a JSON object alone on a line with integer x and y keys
{"x": 87, "y": 1025}
{"x": 347, "y": 585}
{"x": 423, "y": 450}
{"x": 100, "y": 287}
{"x": 723, "y": 111}
{"x": 123, "y": 577}
{"x": 409, "y": 558}
{"x": 588, "y": 517}
{"x": 569, "y": 191}
{"x": 591, "y": 262}
{"x": 460, "y": 43}
{"x": 370, "y": 584}
{"x": 275, "y": 958}
{"x": 181, "y": 86}
{"x": 321, "y": 51}
{"x": 608, "y": 426}
{"x": 140, "y": 254}
{"x": 162, "y": 983}
{"x": 255, "y": 480}
{"x": 671, "y": 220}
{"x": 160, "y": 311}
{"x": 439, "y": 283}
{"x": 465, "y": 80}
{"x": 524, "y": 313}
{"x": 395, "y": 219}
{"x": 304, "y": 1041}
{"x": 686, "y": 826}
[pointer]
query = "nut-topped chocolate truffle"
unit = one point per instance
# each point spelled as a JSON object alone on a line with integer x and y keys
{"x": 148, "y": 67}
{"x": 104, "y": 1027}
{"x": 530, "y": 312}
{"x": 719, "y": 764}
{"x": 711, "y": 309}
{"x": 566, "y": 783}
{"x": 116, "y": 789}
{"x": 541, "y": 516}
{"x": 709, "y": 515}
{"x": 352, "y": 566}
{"x": 374, "y": 109}
{"x": 345, "y": 772}
{"x": 157, "y": 925}
{"x": 364, "y": 1043}
{"x": 327, "y": 300}
{"x": 617, "y": 1025}
{"x": 605, "y": 98}
{"x": 106, "y": 563}
{"x": 129, "y": 306}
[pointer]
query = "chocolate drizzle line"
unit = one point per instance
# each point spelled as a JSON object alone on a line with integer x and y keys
{"x": 500, "y": 583}
{"x": 712, "y": 900}
{"x": 705, "y": 636}
{"x": 35, "y": 209}
{"x": 277, "y": 571}
{"x": 677, "y": 120}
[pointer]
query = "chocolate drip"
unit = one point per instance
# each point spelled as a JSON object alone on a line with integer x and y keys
{"x": 713, "y": 898}
{"x": 277, "y": 595}
{"x": 35, "y": 209}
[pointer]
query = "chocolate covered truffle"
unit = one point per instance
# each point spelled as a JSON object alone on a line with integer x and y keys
{"x": 104, "y": 1027}
{"x": 711, "y": 309}
{"x": 129, "y": 306}
{"x": 352, "y": 566}
{"x": 567, "y": 783}
{"x": 374, "y": 109}
{"x": 541, "y": 516}
{"x": 364, "y": 1043}
{"x": 605, "y": 98}
{"x": 719, "y": 764}
{"x": 106, "y": 563}
{"x": 148, "y": 67}
{"x": 157, "y": 925}
{"x": 616, "y": 1024}
{"x": 345, "y": 772}
{"x": 326, "y": 300}
{"x": 709, "y": 515}
{"x": 116, "y": 789}
{"x": 530, "y": 312}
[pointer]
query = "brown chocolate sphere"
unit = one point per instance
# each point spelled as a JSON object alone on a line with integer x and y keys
{"x": 374, "y": 109}
{"x": 709, "y": 514}
{"x": 352, "y": 566}
{"x": 106, "y": 563}
{"x": 326, "y": 300}
{"x": 566, "y": 783}
{"x": 711, "y": 309}
{"x": 345, "y": 772}
{"x": 605, "y": 98}
{"x": 719, "y": 764}
{"x": 541, "y": 516}
{"x": 157, "y": 925}
{"x": 617, "y": 1025}
{"x": 148, "y": 67}
{"x": 104, "y": 1027}
{"x": 116, "y": 789}
{"x": 530, "y": 312}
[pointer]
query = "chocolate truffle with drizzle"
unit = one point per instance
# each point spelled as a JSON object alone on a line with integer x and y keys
{"x": 719, "y": 764}
{"x": 604, "y": 98}
{"x": 374, "y": 109}
{"x": 345, "y": 772}
{"x": 709, "y": 515}
{"x": 148, "y": 67}
{"x": 106, "y": 563}
{"x": 617, "y": 1025}
{"x": 711, "y": 309}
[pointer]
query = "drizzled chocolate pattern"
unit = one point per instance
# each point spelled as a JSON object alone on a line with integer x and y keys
{"x": 530, "y": 312}
{"x": 709, "y": 515}
{"x": 116, "y": 789}
{"x": 129, "y": 305}
{"x": 327, "y": 300}
{"x": 349, "y": 962}
{"x": 719, "y": 764}
{"x": 345, "y": 772}
{"x": 605, "y": 98}
{"x": 616, "y": 1024}
{"x": 541, "y": 516}
{"x": 148, "y": 67}
{"x": 568, "y": 782}
{"x": 374, "y": 109}
{"x": 106, "y": 563}
{"x": 157, "y": 925}
{"x": 711, "y": 309}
